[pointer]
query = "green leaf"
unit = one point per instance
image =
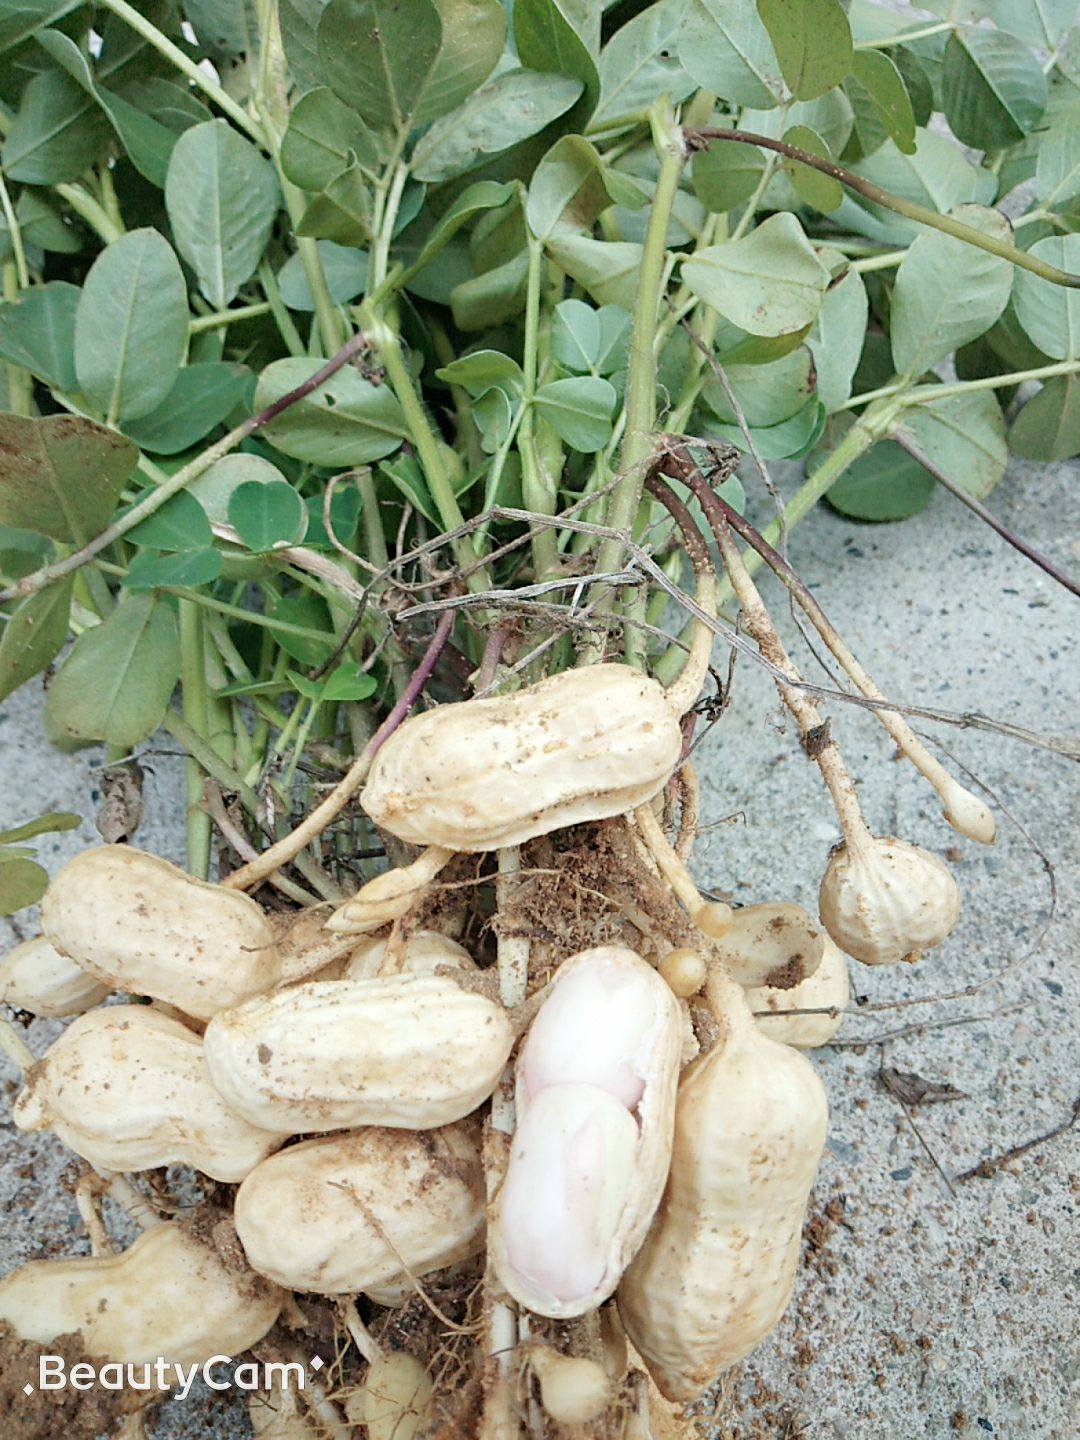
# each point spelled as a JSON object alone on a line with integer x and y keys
{"x": 575, "y": 336}
{"x": 379, "y": 55}
{"x": 473, "y": 36}
{"x": 184, "y": 570}
{"x": 322, "y": 138}
{"x": 963, "y": 435}
{"x": 180, "y": 524}
{"x": 768, "y": 283}
{"x": 57, "y": 133}
{"x": 20, "y": 19}
{"x": 33, "y": 635}
{"x": 492, "y": 297}
{"x": 174, "y": 106}
{"x": 568, "y": 190}
{"x": 579, "y": 410}
{"x": 499, "y": 115}
{"x": 61, "y": 476}
{"x": 1049, "y": 315}
{"x": 607, "y": 269}
{"x": 342, "y": 212}
{"x": 54, "y": 823}
{"x": 820, "y": 191}
{"x": 299, "y": 20}
{"x": 784, "y": 441}
{"x": 547, "y": 41}
{"x": 884, "y": 484}
{"x": 836, "y": 339}
{"x": 116, "y": 682}
{"x": 346, "y": 682}
{"x": 223, "y": 27}
{"x": 1057, "y": 170}
{"x": 767, "y": 394}
{"x": 37, "y": 331}
{"x": 345, "y": 269}
{"x": 22, "y": 882}
{"x": 405, "y": 474}
{"x": 267, "y": 515}
{"x": 199, "y": 401}
{"x": 483, "y": 195}
{"x": 344, "y": 514}
{"x": 947, "y": 292}
{"x": 41, "y": 225}
{"x": 1048, "y": 426}
{"x": 221, "y": 197}
{"x": 148, "y": 143}
{"x": 994, "y": 88}
{"x": 309, "y": 611}
{"x": 726, "y": 174}
{"x": 481, "y": 369}
{"x": 214, "y": 487}
{"x": 812, "y": 39}
{"x": 346, "y": 421}
{"x": 131, "y": 325}
{"x": 640, "y": 62}
{"x": 726, "y": 50}
{"x": 880, "y": 80}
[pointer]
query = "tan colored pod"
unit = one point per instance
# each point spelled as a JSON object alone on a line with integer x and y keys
{"x": 828, "y": 988}
{"x": 345, "y": 1212}
{"x": 884, "y": 900}
{"x": 393, "y": 1400}
{"x": 595, "y": 1102}
{"x": 717, "y": 1268}
{"x": 412, "y": 1051}
{"x": 143, "y": 926}
{"x": 128, "y": 1089}
{"x": 479, "y": 774}
{"x": 777, "y": 944}
{"x": 36, "y": 977}
{"x": 168, "y": 1295}
{"x": 423, "y": 953}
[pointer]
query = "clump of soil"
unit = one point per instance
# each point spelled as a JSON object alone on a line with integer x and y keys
{"x": 48, "y": 1414}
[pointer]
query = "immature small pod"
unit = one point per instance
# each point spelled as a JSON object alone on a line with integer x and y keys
{"x": 169, "y": 1295}
{"x": 393, "y": 1399}
{"x": 410, "y": 1051}
{"x": 716, "y": 1270}
{"x": 776, "y": 943}
{"x": 827, "y": 989}
{"x": 884, "y": 900}
{"x": 36, "y": 977}
{"x": 423, "y": 953}
{"x": 128, "y": 1089}
{"x": 142, "y": 925}
{"x": 594, "y": 1098}
{"x": 479, "y": 774}
{"x": 346, "y": 1212}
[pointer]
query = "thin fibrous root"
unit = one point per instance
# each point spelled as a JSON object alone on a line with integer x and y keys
{"x": 964, "y": 811}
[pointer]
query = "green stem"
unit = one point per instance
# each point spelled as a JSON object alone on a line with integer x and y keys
{"x": 282, "y": 319}
{"x": 908, "y": 208}
{"x": 164, "y": 46}
{"x": 229, "y": 317}
{"x": 20, "y": 384}
{"x": 938, "y": 27}
{"x": 197, "y": 716}
{"x": 379, "y": 556}
{"x": 385, "y": 341}
{"x": 886, "y": 261}
{"x": 640, "y": 407}
{"x": 15, "y": 231}
{"x": 538, "y": 494}
{"x": 203, "y": 752}
{"x": 380, "y": 255}
{"x": 95, "y": 215}
{"x": 899, "y": 388}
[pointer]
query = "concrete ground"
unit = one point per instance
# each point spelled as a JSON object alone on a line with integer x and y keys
{"x": 929, "y": 1306}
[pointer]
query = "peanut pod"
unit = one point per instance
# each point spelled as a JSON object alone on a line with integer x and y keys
{"x": 36, "y": 977}
{"x": 412, "y": 1051}
{"x": 142, "y": 925}
{"x": 595, "y": 1095}
{"x": 128, "y": 1089}
{"x": 717, "y": 1268}
{"x": 168, "y": 1295}
{"x": 349, "y": 1212}
{"x": 828, "y": 988}
{"x": 479, "y": 774}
